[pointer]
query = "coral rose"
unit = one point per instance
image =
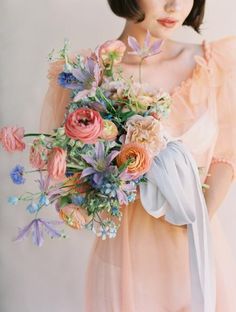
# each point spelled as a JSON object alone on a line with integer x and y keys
{"x": 146, "y": 131}
{"x": 12, "y": 138}
{"x": 112, "y": 51}
{"x": 56, "y": 165}
{"x": 84, "y": 124}
{"x": 74, "y": 216}
{"x": 139, "y": 156}
{"x": 110, "y": 131}
{"x": 38, "y": 154}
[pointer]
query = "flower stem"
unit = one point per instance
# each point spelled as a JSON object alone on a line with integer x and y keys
{"x": 38, "y": 134}
{"x": 140, "y": 69}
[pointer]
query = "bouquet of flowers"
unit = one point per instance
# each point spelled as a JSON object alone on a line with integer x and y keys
{"x": 90, "y": 167}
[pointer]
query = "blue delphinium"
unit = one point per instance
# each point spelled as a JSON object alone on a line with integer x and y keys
{"x": 43, "y": 200}
{"x": 67, "y": 80}
{"x": 17, "y": 174}
{"x": 78, "y": 200}
{"x": 109, "y": 189}
{"x": 32, "y": 207}
{"x": 13, "y": 200}
{"x": 131, "y": 197}
{"x": 115, "y": 211}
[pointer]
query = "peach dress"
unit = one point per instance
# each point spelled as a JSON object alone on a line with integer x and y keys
{"x": 146, "y": 266}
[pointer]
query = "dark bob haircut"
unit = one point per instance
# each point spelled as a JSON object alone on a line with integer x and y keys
{"x": 130, "y": 9}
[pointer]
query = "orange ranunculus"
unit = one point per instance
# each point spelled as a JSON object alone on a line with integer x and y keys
{"x": 12, "y": 139}
{"x": 84, "y": 124}
{"x": 112, "y": 50}
{"x": 56, "y": 165}
{"x": 110, "y": 131}
{"x": 141, "y": 160}
{"x": 147, "y": 131}
{"x": 74, "y": 216}
{"x": 36, "y": 151}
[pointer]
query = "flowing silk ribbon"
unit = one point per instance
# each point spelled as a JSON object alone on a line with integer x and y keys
{"x": 174, "y": 190}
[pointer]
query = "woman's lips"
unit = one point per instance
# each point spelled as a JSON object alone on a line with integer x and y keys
{"x": 169, "y": 23}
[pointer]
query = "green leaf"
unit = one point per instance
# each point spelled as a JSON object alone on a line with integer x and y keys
{"x": 65, "y": 200}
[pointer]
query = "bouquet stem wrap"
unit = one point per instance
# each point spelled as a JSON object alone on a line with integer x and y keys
{"x": 174, "y": 190}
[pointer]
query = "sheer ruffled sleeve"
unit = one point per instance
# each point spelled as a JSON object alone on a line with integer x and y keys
{"x": 223, "y": 58}
{"x": 55, "y": 100}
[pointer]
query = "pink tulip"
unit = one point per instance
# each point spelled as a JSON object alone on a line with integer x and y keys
{"x": 57, "y": 163}
{"x": 36, "y": 152}
{"x": 12, "y": 138}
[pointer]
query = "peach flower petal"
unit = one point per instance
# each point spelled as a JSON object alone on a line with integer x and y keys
{"x": 74, "y": 216}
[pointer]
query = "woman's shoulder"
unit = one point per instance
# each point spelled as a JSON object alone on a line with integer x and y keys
{"x": 222, "y": 52}
{"x": 223, "y": 47}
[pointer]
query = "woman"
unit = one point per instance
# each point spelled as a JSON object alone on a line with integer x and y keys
{"x": 146, "y": 267}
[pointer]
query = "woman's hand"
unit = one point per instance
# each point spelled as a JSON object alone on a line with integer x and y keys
{"x": 219, "y": 181}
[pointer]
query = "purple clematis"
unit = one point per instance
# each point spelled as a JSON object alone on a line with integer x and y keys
{"x": 100, "y": 163}
{"x": 49, "y": 193}
{"x": 88, "y": 77}
{"x": 36, "y": 227}
{"x": 147, "y": 49}
{"x": 125, "y": 188}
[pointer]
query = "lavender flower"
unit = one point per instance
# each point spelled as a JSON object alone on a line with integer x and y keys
{"x": 88, "y": 77}
{"x": 126, "y": 187}
{"x": 17, "y": 174}
{"x": 100, "y": 163}
{"x": 147, "y": 49}
{"x": 36, "y": 227}
{"x": 49, "y": 194}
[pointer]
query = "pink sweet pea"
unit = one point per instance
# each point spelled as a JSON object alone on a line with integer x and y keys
{"x": 12, "y": 138}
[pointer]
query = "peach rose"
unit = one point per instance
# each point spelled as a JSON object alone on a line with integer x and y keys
{"x": 74, "y": 216}
{"x": 139, "y": 156}
{"x": 146, "y": 131}
{"x": 12, "y": 138}
{"x": 112, "y": 50}
{"x": 56, "y": 165}
{"x": 110, "y": 131}
{"x": 37, "y": 151}
{"x": 84, "y": 124}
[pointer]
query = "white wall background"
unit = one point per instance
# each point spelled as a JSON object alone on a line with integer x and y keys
{"x": 51, "y": 278}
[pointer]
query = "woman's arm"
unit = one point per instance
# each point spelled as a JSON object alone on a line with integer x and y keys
{"x": 219, "y": 181}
